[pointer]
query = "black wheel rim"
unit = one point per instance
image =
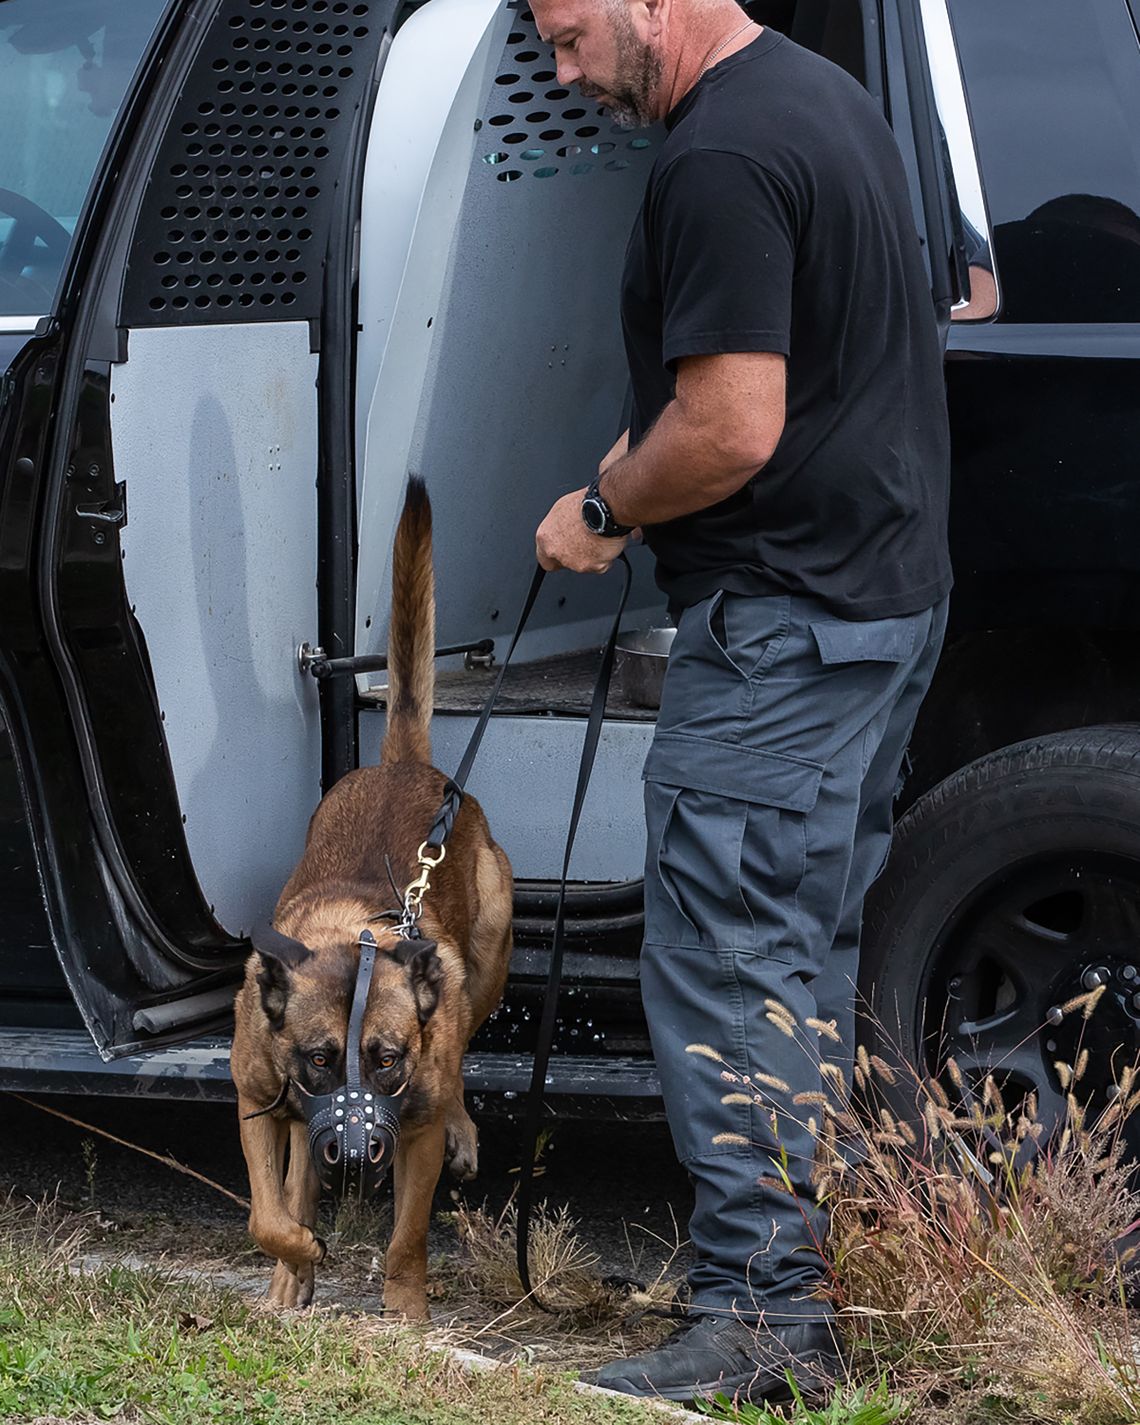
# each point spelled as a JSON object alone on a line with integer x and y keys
{"x": 1031, "y": 940}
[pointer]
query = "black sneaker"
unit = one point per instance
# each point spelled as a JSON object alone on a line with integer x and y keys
{"x": 715, "y": 1354}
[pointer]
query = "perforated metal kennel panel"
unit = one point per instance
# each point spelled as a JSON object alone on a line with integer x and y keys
{"x": 534, "y": 128}
{"x": 524, "y": 387}
{"x": 531, "y": 363}
{"x": 234, "y": 222}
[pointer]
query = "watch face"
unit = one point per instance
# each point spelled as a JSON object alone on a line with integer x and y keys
{"x": 593, "y": 515}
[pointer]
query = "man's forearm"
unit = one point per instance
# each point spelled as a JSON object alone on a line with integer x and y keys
{"x": 679, "y": 467}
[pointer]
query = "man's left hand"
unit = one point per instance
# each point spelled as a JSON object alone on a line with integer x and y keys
{"x": 564, "y": 542}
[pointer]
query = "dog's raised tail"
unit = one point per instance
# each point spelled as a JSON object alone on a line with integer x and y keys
{"x": 411, "y": 634}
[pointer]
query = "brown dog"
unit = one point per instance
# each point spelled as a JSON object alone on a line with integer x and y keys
{"x": 427, "y": 996}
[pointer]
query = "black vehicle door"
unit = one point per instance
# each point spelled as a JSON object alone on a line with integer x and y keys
{"x": 165, "y": 454}
{"x": 1044, "y": 415}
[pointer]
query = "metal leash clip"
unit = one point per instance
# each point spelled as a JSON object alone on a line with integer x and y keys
{"x": 414, "y": 895}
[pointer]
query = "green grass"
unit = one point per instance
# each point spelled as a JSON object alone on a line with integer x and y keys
{"x": 116, "y": 1342}
{"x": 863, "y": 1406}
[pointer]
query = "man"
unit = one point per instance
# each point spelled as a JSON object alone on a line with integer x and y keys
{"x": 788, "y": 463}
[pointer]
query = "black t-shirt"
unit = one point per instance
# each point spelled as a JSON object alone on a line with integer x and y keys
{"x": 777, "y": 218}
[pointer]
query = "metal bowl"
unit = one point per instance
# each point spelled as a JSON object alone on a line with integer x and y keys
{"x": 642, "y": 656}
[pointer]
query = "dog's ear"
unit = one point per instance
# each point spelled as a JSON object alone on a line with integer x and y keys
{"x": 280, "y": 956}
{"x": 425, "y": 969}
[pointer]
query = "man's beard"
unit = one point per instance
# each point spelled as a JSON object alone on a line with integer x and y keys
{"x": 633, "y": 94}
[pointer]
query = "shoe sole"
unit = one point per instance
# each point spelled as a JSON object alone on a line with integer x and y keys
{"x": 811, "y": 1386}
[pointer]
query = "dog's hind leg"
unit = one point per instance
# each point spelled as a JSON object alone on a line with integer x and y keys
{"x": 292, "y": 1284}
{"x": 489, "y": 950}
{"x": 488, "y": 961}
{"x": 272, "y": 1225}
{"x": 419, "y": 1159}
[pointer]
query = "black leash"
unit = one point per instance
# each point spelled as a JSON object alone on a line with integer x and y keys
{"x": 454, "y": 787}
{"x": 437, "y": 837}
{"x": 533, "y": 1123}
{"x": 433, "y": 848}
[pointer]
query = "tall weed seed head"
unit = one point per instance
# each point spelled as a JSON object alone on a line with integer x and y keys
{"x": 975, "y": 1246}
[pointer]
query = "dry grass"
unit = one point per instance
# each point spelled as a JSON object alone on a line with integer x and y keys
{"x": 563, "y": 1269}
{"x": 119, "y": 1343}
{"x": 974, "y": 1263}
{"x": 974, "y": 1273}
{"x": 584, "y": 1318}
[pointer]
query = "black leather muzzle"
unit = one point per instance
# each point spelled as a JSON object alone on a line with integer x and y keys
{"x": 353, "y": 1132}
{"x": 353, "y": 1135}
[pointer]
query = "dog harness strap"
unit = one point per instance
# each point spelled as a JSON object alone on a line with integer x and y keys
{"x": 282, "y": 1095}
{"x": 550, "y": 999}
{"x": 356, "y": 1015}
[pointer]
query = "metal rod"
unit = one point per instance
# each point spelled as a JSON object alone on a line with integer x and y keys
{"x": 377, "y": 662}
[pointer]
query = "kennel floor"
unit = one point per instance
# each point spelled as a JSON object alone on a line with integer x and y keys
{"x": 561, "y": 685}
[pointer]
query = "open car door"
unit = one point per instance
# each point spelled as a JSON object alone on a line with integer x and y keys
{"x": 166, "y": 439}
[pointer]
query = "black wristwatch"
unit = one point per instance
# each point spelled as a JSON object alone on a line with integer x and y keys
{"x": 598, "y": 517}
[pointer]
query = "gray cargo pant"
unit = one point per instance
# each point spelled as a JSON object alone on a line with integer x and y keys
{"x": 768, "y": 794}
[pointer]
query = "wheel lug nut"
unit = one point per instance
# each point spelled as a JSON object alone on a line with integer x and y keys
{"x": 1128, "y": 973}
{"x": 1056, "y": 1014}
{"x": 1136, "y": 1001}
{"x": 1112, "y": 1092}
{"x": 1093, "y": 979}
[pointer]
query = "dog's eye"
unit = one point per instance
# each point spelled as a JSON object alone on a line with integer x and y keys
{"x": 388, "y": 1061}
{"x": 318, "y": 1061}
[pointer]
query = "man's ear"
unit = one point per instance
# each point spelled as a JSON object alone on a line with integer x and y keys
{"x": 425, "y": 970}
{"x": 280, "y": 956}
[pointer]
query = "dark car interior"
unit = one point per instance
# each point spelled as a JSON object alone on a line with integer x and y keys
{"x": 833, "y": 28}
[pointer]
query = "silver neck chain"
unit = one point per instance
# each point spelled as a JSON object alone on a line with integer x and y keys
{"x": 723, "y": 45}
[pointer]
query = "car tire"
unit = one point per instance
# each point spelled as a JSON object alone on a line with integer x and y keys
{"x": 1012, "y": 888}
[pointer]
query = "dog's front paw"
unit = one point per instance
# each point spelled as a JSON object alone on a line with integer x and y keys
{"x": 407, "y": 1300}
{"x": 288, "y": 1241}
{"x": 461, "y": 1153}
{"x": 291, "y": 1287}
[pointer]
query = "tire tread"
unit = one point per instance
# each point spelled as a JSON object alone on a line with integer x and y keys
{"x": 1111, "y": 747}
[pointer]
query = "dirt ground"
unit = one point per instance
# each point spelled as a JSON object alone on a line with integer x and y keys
{"x": 620, "y": 1183}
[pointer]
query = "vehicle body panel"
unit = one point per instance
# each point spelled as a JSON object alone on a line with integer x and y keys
{"x": 176, "y": 530}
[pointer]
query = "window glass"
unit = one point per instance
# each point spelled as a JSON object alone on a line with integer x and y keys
{"x": 1054, "y": 95}
{"x": 65, "y": 68}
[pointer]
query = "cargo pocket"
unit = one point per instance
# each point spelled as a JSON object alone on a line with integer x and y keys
{"x": 727, "y": 845}
{"x": 866, "y": 657}
{"x": 884, "y": 640}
